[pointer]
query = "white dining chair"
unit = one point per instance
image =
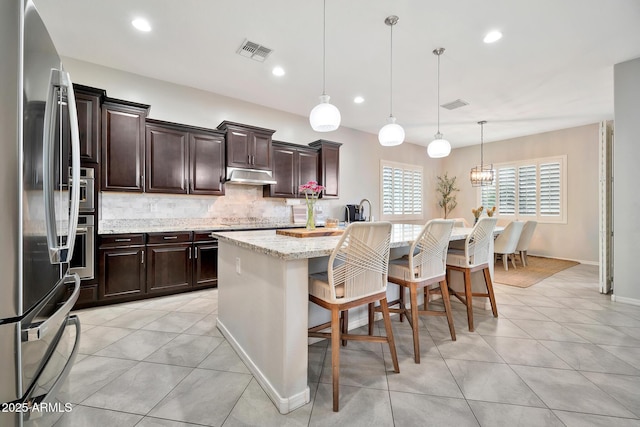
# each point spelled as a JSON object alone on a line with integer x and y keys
{"x": 525, "y": 238}
{"x": 425, "y": 266}
{"x": 356, "y": 275}
{"x": 505, "y": 244}
{"x": 474, "y": 257}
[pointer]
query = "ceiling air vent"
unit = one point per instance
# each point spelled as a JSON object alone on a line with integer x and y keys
{"x": 455, "y": 104}
{"x": 254, "y": 51}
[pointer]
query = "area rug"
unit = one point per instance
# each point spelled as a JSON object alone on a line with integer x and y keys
{"x": 537, "y": 268}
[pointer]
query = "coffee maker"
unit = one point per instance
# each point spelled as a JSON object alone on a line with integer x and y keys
{"x": 353, "y": 213}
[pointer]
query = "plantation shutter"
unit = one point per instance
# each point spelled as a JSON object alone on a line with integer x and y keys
{"x": 527, "y": 190}
{"x": 488, "y": 195}
{"x": 550, "y": 189}
{"x": 507, "y": 191}
{"x": 401, "y": 191}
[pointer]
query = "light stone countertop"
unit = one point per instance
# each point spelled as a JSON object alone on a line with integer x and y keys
{"x": 127, "y": 226}
{"x": 288, "y": 248}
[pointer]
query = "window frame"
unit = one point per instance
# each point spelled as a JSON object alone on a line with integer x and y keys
{"x": 405, "y": 167}
{"x": 541, "y": 218}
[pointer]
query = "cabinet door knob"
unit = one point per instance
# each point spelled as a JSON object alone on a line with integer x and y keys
{"x": 142, "y": 258}
{"x": 196, "y": 253}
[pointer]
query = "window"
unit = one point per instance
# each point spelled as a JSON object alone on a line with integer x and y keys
{"x": 401, "y": 187}
{"x": 530, "y": 189}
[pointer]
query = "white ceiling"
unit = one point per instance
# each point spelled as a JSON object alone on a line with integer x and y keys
{"x": 553, "y": 68}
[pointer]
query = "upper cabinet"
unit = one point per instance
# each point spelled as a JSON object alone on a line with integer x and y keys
{"x": 329, "y": 167}
{"x": 88, "y": 106}
{"x": 123, "y": 137}
{"x": 293, "y": 165}
{"x": 247, "y": 146}
{"x": 183, "y": 159}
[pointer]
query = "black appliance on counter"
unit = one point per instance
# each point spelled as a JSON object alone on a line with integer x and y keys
{"x": 354, "y": 213}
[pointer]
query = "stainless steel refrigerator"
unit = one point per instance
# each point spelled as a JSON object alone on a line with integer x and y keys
{"x": 39, "y": 150}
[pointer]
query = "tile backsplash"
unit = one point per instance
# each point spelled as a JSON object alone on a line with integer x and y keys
{"x": 241, "y": 203}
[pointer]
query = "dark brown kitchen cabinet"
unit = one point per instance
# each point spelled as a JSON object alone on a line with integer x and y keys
{"x": 206, "y": 163}
{"x": 205, "y": 260}
{"x": 293, "y": 165}
{"x": 166, "y": 159}
{"x": 329, "y": 167}
{"x": 123, "y": 145}
{"x": 247, "y": 146}
{"x": 88, "y": 106}
{"x": 169, "y": 262}
{"x": 121, "y": 267}
{"x": 183, "y": 159}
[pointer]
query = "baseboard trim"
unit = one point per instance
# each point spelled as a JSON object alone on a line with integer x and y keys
{"x": 625, "y": 300}
{"x": 283, "y": 404}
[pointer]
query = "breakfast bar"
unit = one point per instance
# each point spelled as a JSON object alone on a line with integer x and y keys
{"x": 263, "y": 308}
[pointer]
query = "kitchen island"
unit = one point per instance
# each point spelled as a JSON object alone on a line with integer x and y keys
{"x": 263, "y": 307}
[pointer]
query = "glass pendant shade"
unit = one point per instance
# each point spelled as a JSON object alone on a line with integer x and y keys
{"x": 482, "y": 175}
{"x": 439, "y": 147}
{"x": 391, "y": 134}
{"x": 325, "y": 117}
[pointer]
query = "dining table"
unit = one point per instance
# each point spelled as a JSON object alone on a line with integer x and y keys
{"x": 263, "y": 302}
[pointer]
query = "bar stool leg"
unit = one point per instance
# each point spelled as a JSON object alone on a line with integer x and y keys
{"x": 413, "y": 295}
{"x": 469, "y": 298}
{"x": 335, "y": 357}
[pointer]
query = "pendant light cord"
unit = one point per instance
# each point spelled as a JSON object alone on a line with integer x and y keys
{"x": 438, "y": 105}
{"x": 391, "y": 75}
{"x": 481, "y": 146}
{"x": 324, "y": 44}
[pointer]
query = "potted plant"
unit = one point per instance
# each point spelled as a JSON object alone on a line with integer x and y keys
{"x": 446, "y": 191}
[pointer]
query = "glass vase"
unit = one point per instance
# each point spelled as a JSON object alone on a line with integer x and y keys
{"x": 311, "y": 216}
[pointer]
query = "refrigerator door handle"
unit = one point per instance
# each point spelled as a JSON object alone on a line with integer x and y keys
{"x": 41, "y": 330}
{"x": 60, "y": 253}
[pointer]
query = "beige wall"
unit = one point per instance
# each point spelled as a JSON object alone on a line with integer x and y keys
{"x": 361, "y": 154}
{"x": 578, "y": 238}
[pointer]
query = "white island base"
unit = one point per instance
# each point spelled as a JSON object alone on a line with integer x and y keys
{"x": 263, "y": 312}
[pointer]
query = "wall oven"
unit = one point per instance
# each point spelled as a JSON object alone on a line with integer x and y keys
{"x": 87, "y": 194}
{"x": 82, "y": 262}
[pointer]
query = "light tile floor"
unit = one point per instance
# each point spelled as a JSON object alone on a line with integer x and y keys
{"x": 559, "y": 354}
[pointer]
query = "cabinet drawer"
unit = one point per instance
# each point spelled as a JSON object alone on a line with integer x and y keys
{"x": 203, "y": 236}
{"x": 115, "y": 240}
{"x": 168, "y": 238}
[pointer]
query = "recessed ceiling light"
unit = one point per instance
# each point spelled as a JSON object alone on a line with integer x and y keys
{"x": 278, "y": 71}
{"x": 492, "y": 36}
{"x": 358, "y": 100}
{"x": 141, "y": 24}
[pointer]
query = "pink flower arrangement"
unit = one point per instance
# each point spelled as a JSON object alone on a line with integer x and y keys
{"x": 311, "y": 189}
{"x": 311, "y": 192}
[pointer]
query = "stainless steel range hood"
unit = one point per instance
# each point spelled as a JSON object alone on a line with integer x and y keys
{"x": 249, "y": 176}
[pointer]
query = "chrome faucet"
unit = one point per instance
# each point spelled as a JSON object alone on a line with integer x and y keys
{"x": 362, "y": 210}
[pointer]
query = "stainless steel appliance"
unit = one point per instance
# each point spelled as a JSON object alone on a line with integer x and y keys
{"x": 87, "y": 193}
{"x": 82, "y": 261}
{"x": 38, "y": 217}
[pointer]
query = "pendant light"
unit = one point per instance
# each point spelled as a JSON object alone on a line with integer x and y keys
{"x": 391, "y": 134}
{"x": 324, "y": 117}
{"x": 438, "y": 147}
{"x": 482, "y": 175}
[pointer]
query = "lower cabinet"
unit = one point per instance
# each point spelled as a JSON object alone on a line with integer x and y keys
{"x": 205, "y": 260}
{"x": 121, "y": 267}
{"x": 135, "y": 266}
{"x": 169, "y": 262}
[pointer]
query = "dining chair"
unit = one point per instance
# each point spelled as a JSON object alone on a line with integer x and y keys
{"x": 506, "y": 242}
{"x": 474, "y": 257}
{"x": 356, "y": 275}
{"x": 423, "y": 267}
{"x": 525, "y": 238}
